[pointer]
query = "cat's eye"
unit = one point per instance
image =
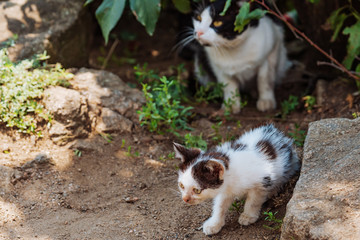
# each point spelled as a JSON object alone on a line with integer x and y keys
{"x": 181, "y": 186}
{"x": 198, "y": 17}
{"x": 217, "y": 23}
{"x": 197, "y": 191}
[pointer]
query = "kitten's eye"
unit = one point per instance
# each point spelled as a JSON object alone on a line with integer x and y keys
{"x": 217, "y": 23}
{"x": 198, "y": 17}
{"x": 197, "y": 191}
{"x": 181, "y": 186}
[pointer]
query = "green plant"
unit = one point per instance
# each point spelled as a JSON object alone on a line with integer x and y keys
{"x": 298, "y": 135}
{"x": 288, "y": 106}
{"x": 336, "y": 21}
{"x": 192, "y": 141}
{"x": 309, "y": 103}
{"x": 168, "y": 157}
{"x": 270, "y": 217}
{"x": 162, "y": 108}
{"x": 211, "y": 92}
{"x": 216, "y": 136}
{"x": 237, "y": 205}
{"x": 21, "y": 87}
{"x": 107, "y": 137}
{"x": 130, "y": 154}
{"x": 147, "y": 13}
{"x": 356, "y": 115}
{"x": 77, "y": 152}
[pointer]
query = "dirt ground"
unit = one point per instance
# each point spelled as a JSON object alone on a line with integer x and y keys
{"x": 111, "y": 193}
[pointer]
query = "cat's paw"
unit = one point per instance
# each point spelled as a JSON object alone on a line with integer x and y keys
{"x": 266, "y": 104}
{"x": 235, "y": 108}
{"x": 213, "y": 226}
{"x": 246, "y": 219}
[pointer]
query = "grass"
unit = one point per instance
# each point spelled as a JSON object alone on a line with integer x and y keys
{"x": 21, "y": 87}
{"x": 237, "y": 205}
{"x": 275, "y": 222}
{"x": 288, "y": 106}
{"x": 193, "y": 141}
{"x": 298, "y": 135}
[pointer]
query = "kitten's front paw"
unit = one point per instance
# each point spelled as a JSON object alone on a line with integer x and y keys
{"x": 245, "y": 219}
{"x": 212, "y": 226}
{"x": 266, "y": 104}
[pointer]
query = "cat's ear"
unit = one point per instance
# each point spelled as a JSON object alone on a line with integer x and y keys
{"x": 216, "y": 168}
{"x": 186, "y": 154}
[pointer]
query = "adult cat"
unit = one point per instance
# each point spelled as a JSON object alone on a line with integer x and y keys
{"x": 236, "y": 58}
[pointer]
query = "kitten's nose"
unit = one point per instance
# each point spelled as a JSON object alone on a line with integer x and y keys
{"x": 199, "y": 33}
{"x": 186, "y": 199}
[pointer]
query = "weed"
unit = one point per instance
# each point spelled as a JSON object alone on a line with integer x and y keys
{"x": 288, "y": 106}
{"x": 107, "y": 137}
{"x": 77, "y": 152}
{"x": 123, "y": 143}
{"x": 356, "y": 115}
{"x": 192, "y": 141}
{"x": 230, "y": 102}
{"x": 237, "y": 205}
{"x": 168, "y": 157}
{"x": 21, "y": 87}
{"x": 10, "y": 42}
{"x": 142, "y": 73}
{"x": 216, "y": 136}
{"x": 162, "y": 108}
{"x": 309, "y": 103}
{"x": 298, "y": 135}
{"x": 212, "y": 92}
{"x": 270, "y": 217}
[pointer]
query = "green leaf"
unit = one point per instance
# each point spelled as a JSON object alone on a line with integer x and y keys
{"x": 353, "y": 48}
{"x": 245, "y": 16}
{"x": 146, "y": 12}
{"x": 336, "y": 21}
{"x": 226, "y": 7}
{"x": 88, "y": 2}
{"x": 182, "y": 5}
{"x": 108, "y": 14}
{"x": 313, "y": 1}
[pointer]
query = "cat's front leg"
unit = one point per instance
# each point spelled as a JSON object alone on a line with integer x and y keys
{"x": 231, "y": 93}
{"x": 254, "y": 201}
{"x": 266, "y": 86}
{"x": 214, "y": 224}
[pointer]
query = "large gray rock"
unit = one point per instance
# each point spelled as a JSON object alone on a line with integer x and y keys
{"x": 70, "y": 111}
{"x": 61, "y": 27}
{"x": 326, "y": 200}
{"x": 106, "y": 90}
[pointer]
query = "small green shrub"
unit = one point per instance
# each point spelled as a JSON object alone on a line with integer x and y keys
{"x": 309, "y": 103}
{"x": 288, "y": 106}
{"x": 270, "y": 217}
{"x": 21, "y": 87}
{"x": 162, "y": 110}
{"x": 212, "y": 92}
{"x": 298, "y": 135}
{"x": 192, "y": 141}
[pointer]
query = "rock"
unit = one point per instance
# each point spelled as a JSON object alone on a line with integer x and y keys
{"x": 5, "y": 179}
{"x": 326, "y": 199}
{"x": 40, "y": 160}
{"x": 111, "y": 121}
{"x": 70, "y": 111}
{"x": 61, "y": 27}
{"x": 106, "y": 90}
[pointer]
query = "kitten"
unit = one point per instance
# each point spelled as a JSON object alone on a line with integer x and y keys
{"x": 234, "y": 58}
{"x": 255, "y": 167}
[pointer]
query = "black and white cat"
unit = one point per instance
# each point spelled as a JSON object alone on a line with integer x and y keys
{"x": 255, "y": 167}
{"x": 235, "y": 58}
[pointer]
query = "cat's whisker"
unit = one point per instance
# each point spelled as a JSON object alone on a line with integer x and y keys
{"x": 181, "y": 44}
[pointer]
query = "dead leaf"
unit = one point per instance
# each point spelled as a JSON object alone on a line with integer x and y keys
{"x": 350, "y": 100}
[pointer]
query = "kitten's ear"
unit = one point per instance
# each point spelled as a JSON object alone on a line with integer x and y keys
{"x": 216, "y": 168}
{"x": 185, "y": 154}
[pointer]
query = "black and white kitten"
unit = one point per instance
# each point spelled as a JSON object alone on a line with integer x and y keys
{"x": 255, "y": 167}
{"x": 235, "y": 58}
